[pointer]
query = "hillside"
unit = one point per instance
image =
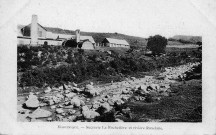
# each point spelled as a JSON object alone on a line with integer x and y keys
{"x": 98, "y": 37}
{"x": 186, "y": 38}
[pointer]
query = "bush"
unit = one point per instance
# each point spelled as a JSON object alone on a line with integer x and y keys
{"x": 157, "y": 44}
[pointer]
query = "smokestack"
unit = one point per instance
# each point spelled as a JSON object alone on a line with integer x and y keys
{"x": 77, "y": 35}
{"x": 34, "y": 30}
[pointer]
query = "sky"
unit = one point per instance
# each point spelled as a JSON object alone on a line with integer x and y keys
{"x": 141, "y": 18}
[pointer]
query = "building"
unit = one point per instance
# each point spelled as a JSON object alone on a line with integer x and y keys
{"x": 111, "y": 42}
{"x": 35, "y": 34}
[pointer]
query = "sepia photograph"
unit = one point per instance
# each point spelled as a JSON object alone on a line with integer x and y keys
{"x": 71, "y": 73}
{"x": 107, "y": 66}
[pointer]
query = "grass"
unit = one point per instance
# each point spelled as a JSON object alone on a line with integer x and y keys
{"x": 184, "y": 105}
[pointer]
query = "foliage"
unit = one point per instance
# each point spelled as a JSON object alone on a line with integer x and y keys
{"x": 55, "y": 65}
{"x": 157, "y": 44}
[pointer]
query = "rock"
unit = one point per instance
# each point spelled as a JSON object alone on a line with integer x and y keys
{"x": 67, "y": 91}
{"x": 56, "y": 99}
{"x": 70, "y": 95}
{"x": 90, "y": 114}
{"x": 106, "y": 106}
{"x": 59, "y": 95}
{"x": 85, "y": 108}
{"x": 89, "y": 87}
{"x": 143, "y": 87}
{"x": 50, "y": 102}
{"x": 59, "y": 110}
{"x": 40, "y": 113}
{"x": 49, "y": 119}
{"x": 71, "y": 112}
{"x": 74, "y": 84}
{"x": 125, "y": 91}
{"x": 118, "y": 120}
{"x": 32, "y": 101}
{"x": 110, "y": 102}
{"x": 43, "y": 104}
{"x": 72, "y": 118}
{"x": 69, "y": 107}
{"x": 52, "y": 107}
{"x": 75, "y": 89}
{"x": 91, "y": 83}
{"x": 61, "y": 88}
{"x": 47, "y": 90}
{"x": 77, "y": 102}
{"x": 60, "y": 106}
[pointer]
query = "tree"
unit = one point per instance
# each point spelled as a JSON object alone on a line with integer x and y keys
{"x": 157, "y": 44}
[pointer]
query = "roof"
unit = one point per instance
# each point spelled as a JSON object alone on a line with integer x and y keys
{"x": 117, "y": 41}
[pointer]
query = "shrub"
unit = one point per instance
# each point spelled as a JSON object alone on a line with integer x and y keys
{"x": 157, "y": 44}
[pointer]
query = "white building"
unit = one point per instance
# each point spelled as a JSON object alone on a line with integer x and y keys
{"x": 35, "y": 34}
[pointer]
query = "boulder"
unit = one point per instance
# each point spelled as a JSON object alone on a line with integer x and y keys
{"x": 32, "y": 101}
{"x": 74, "y": 84}
{"x": 70, "y": 95}
{"x": 77, "y": 102}
{"x": 40, "y": 113}
{"x": 85, "y": 108}
{"x": 106, "y": 106}
{"x": 47, "y": 90}
{"x": 56, "y": 99}
{"x": 59, "y": 95}
{"x": 125, "y": 91}
{"x": 59, "y": 110}
{"x": 50, "y": 102}
{"x": 67, "y": 91}
{"x": 90, "y": 114}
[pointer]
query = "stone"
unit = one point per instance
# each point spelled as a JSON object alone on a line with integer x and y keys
{"x": 69, "y": 107}
{"x": 56, "y": 99}
{"x": 47, "y": 90}
{"x": 50, "y": 102}
{"x": 59, "y": 95}
{"x": 32, "y": 101}
{"x": 40, "y": 113}
{"x": 118, "y": 120}
{"x": 59, "y": 110}
{"x": 75, "y": 89}
{"x": 106, "y": 106}
{"x": 71, "y": 112}
{"x": 90, "y": 114}
{"x": 89, "y": 87}
{"x": 52, "y": 107}
{"x": 110, "y": 102}
{"x": 72, "y": 118}
{"x": 49, "y": 119}
{"x": 74, "y": 84}
{"x": 125, "y": 91}
{"x": 70, "y": 95}
{"x": 43, "y": 104}
{"x": 60, "y": 106}
{"x": 76, "y": 102}
{"x": 67, "y": 91}
{"x": 85, "y": 108}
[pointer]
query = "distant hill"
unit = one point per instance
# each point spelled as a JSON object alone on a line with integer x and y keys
{"x": 185, "y": 38}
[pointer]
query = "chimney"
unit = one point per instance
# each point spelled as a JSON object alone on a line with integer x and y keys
{"x": 77, "y": 35}
{"x": 34, "y": 30}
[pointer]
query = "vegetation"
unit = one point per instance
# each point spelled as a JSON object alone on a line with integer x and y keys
{"x": 54, "y": 65}
{"x": 157, "y": 44}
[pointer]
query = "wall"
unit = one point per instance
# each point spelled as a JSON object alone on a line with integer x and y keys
{"x": 87, "y": 45}
{"x": 26, "y": 41}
